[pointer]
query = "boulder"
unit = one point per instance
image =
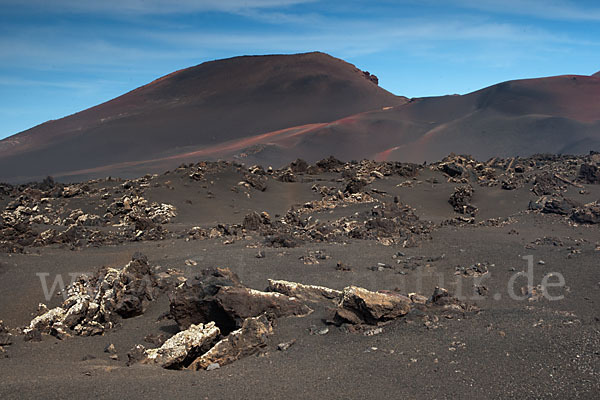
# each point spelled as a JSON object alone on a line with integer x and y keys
{"x": 589, "y": 173}
{"x": 183, "y": 348}
{"x": 298, "y": 166}
{"x": 304, "y": 292}
{"x": 452, "y": 169}
{"x": 355, "y": 185}
{"x": 546, "y": 184}
{"x": 218, "y": 296}
{"x": 361, "y": 306}
{"x": 560, "y": 205}
{"x": 587, "y": 214}
{"x": 188, "y": 303}
{"x": 258, "y": 182}
{"x": 240, "y": 343}
{"x": 242, "y": 302}
{"x": 5, "y": 336}
{"x": 255, "y": 221}
{"x": 287, "y": 176}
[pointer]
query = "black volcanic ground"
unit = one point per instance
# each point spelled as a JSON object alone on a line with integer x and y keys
{"x": 270, "y": 110}
{"x": 398, "y": 228}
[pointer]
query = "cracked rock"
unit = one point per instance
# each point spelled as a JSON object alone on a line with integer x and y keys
{"x": 304, "y": 292}
{"x": 361, "y": 306}
{"x": 245, "y": 341}
{"x": 218, "y": 296}
{"x": 183, "y": 348}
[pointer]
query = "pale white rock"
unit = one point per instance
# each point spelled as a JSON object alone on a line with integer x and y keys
{"x": 304, "y": 292}
{"x": 175, "y": 350}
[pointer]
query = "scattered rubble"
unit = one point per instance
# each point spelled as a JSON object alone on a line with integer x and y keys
{"x": 44, "y": 214}
{"x": 313, "y": 257}
{"x": 475, "y": 270}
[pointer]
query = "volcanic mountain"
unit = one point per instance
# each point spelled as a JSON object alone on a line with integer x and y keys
{"x": 215, "y": 105}
{"x": 273, "y": 109}
{"x": 518, "y": 118}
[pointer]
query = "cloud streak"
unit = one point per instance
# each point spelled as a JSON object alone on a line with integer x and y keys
{"x": 545, "y": 9}
{"x": 151, "y": 6}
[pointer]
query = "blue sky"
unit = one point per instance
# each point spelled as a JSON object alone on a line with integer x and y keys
{"x": 58, "y": 57}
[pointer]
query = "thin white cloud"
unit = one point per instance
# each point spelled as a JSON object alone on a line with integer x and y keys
{"x": 37, "y": 48}
{"x": 70, "y": 85}
{"x": 546, "y": 9}
{"x": 151, "y": 6}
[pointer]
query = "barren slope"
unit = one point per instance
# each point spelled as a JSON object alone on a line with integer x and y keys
{"x": 556, "y": 115}
{"x": 201, "y": 106}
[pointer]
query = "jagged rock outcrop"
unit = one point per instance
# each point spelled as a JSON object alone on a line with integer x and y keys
{"x": 240, "y": 343}
{"x": 180, "y": 350}
{"x": 217, "y": 295}
{"x": 95, "y": 303}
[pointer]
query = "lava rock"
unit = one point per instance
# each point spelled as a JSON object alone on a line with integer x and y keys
{"x": 460, "y": 200}
{"x": 94, "y": 303}
{"x": 589, "y": 173}
{"x": 5, "y": 336}
{"x": 587, "y": 214}
{"x": 247, "y": 340}
{"x": 304, "y": 292}
{"x": 361, "y": 306}
{"x": 187, "y": 302}
{"x": 561, "y": 206}
{"x": 441, "y": 298}
{"x": 355, "y": 185}
{"x": 298, "y": 166}
{"x": 180, "y": 350}
{"x": 452, "y": 169}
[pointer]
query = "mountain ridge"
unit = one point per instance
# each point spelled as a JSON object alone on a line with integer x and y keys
{"x": 275, "y": 108}
{"x": 204, "y": 105}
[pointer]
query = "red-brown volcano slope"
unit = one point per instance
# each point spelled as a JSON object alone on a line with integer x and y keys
{"x": 556, "y": 115}
{"x": 201, "y": 107}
